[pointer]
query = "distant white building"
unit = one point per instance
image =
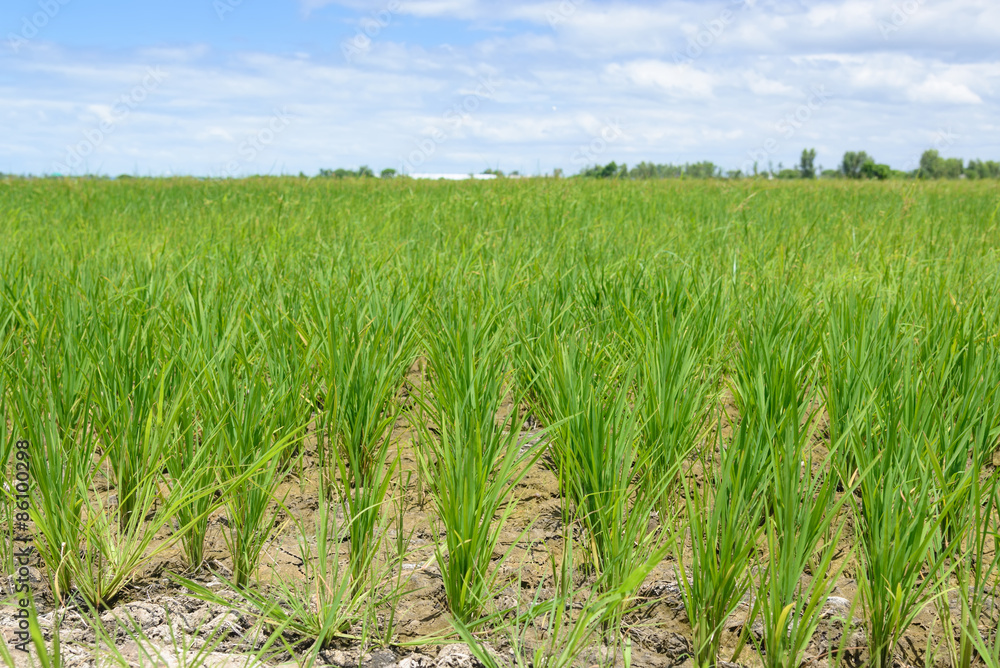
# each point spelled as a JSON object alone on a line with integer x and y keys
{"x": 453, "y": 177}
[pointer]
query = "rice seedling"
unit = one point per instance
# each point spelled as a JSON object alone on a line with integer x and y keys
{"x": 83, "y": 543}
{"x": 723, "y": 518}
{"x": 564, "y": 637}
{"x": 364, "y": 352}
{"x": 61, "y": 454}
{"x": 777, "y": 343}
{"x": 964, "y": 439}
{"x": 204, "y": 336}
{"x": 175, "y": 649}
{"x": 192, "y": 464}
{"x": 287, "y": 360}
{"x": 130, "y": 379}
{"x": 898, "y": 518}
{"x": 396, "y": 551}
{"x": 676, "y": 382}
{"x": 242, "y": 411}
{"x": 7, "y": 488}
{"x": 975, "y": 576}
{"x": 860, "y": 351}
{"x": 468, "y": 460}
{"x": 802, "y": 537}
{"x": 322, "y": 608}
{"x": 966, "y": 376}
{"x": 979, "y": 583}
{"x": 596, "y": 438}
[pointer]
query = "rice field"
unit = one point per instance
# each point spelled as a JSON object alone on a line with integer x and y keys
{"x": 564, "y": 422}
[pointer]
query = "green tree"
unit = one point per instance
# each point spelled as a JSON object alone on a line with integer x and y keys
{"x": 388, "y": 173}
{"x": 701, "y": 170}
{"x": 979, "y": 169}
{"x": 931, "y": 165}
{"x": 807, "y": 164}
{"x": 871, "y": 170}
{"x": 852, "y": 163}
{"x": 612, "y": 170}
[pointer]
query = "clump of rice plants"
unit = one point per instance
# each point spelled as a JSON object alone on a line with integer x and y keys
{"x": 52, "y": 411}
{"x": 364, "y": 347}
{"x": 898, "y": 515}
{"x": 596, "y": 436}
{"x": 723, "y": 519}
{"x": 250, "y": 468}
{"x": 320, "y": 609}
{"x": 675, "y": 375}
{"x": 470, "y": 459}
{"x": 566, "y": 637}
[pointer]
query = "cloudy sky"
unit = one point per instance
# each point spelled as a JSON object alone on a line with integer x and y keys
{"x": 233, "y": 87}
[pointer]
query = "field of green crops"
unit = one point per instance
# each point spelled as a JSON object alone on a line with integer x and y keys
{"x": 768, "y": 413}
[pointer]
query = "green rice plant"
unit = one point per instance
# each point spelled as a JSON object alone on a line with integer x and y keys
{"x": 596, "y": 438}
{"x": 241, "y": 408}
{"x": 396, "y": 552}
{"x": 193, "y": 466}
{"x": 130, "y": 374}
{"x": 564, "y": 638}
{"x": 51, "y": 402}
{"x": 287, "y": 360}
{"x": 110, "y": 555}
{"x": 365, "y": 349}
{"x": 676, "y": 383}
{"x": 898, "y": 520}
{"x": 82, "y": 544}
{"x": 966, "y": 376}
{"x": 321, "y": 609}
{"x": 777, "y": 343}
{"x": 205, "y": 336}
{"x": 860, "y": 354}
{"x": 979, "y": 582}
{"x": 964, "y": 440}
{"x": 469, "y": 460}
{"x": 801, "y": 538}
{"x": 177, "y": 649}
{"x": 976, "y": 579}
{"x": 61, "y": 463}
{"x": 724, "y": 522}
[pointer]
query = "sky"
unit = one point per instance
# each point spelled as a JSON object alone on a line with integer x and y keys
{"x": 241, "y": 87}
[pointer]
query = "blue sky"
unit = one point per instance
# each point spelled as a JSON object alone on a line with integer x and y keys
{"x": 236, "y": 87}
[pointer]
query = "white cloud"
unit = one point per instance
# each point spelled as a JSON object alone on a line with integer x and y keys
{"x": 677, "y": 80}
{"x": 935, "y": 89}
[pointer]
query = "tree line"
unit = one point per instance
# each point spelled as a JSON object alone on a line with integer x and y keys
{"x": 854, "y": 165}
